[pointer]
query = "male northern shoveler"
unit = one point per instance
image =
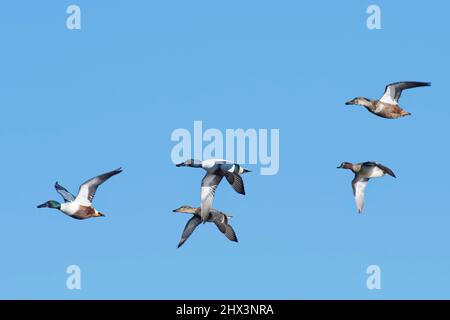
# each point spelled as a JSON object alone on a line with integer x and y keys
{"x": 387, "y": 106}
{"x": 363, "y": 172}
{"x": 220, "y": 219}
{"x": 216, "y": 169}
{"x": 80, "y": 207}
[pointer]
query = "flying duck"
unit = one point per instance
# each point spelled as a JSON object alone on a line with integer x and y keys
{"x": 363, "y": 172}
{"x": 220, "y": 219}
{"x": 387, "y": 106}
{"x": 216, "y": 169}
{"x": 80, "y": 207}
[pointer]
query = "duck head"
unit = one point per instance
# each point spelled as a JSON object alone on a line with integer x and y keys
{"x": 345, "y": 165}
{"x": 50, "y": 204}
{"x": 185, "y": 209}
{"x": 190, "y": 163}
{"x": 361, "y": 101}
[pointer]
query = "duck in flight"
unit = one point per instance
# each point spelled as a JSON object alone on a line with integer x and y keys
{"x": 387, "y": 106}
{"x": 363, "y": 173}
{"x": 216, "y": 169}
{"x": 220, "y": 219}
{"x": 80, "y": 207}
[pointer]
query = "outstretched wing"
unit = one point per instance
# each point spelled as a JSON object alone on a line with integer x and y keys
{"x": 386, "y": 170}
{"x": 236, "y": 182}
{"x": 87, "y": 190}
{"x": 208, "y": 190}
{"x": 189, "y": 228}
{"x": 394, "y": 90}
{"x": 359, "y": 186}
{"x": 231, "y": 172}
{"x": 67, "y": 196}
{"x": 221, "y": 221}
{"x": 230, "y": 234}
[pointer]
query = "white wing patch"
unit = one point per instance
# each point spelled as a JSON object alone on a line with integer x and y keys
{"x": 208, "y": 190}
{"x": 83, "y": 195}
{"x": 359, "y": 186}
{"x": 389, "y": 95}
{"x": 207, "y": 198}
{"x": 89, "y": 188}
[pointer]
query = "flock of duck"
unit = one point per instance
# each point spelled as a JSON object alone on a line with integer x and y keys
{"x": 80, "y": 206}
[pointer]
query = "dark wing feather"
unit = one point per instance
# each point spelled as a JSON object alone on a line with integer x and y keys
{"x": 88, "y": 188}
{"x": 379, "y": 165}
{"x": 67, "y": 196}
{"x": 230, "y": 234}
{"x": 386, "y": 169}
{"x": 398, "y": 87}
{"x": 189, "y": 228}
{"x": 236, "y": 181}
{"x": 370, "y": 164}
{"x": 221, "y": 221}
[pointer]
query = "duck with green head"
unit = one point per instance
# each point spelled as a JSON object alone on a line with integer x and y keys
{"x": 80, "y": 207}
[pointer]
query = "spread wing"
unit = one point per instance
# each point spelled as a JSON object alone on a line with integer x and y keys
{"x": 189, "y": 228}
{"x": 394, "y": 90}
{"x": 67, "y": 196}
{"x": 359, "y": 186}
{"x": 231, "y": 172}
{"x": 386, "y": 169}
{"x": 208, "y": 190}
{"x": 87, "y": 190}
{"x": 236, "y": 182}
{"x": 221, "y": 221}
{"x": 379, "y": 165}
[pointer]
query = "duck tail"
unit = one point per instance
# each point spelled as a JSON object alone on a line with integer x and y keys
{"x": 405, "y": 113}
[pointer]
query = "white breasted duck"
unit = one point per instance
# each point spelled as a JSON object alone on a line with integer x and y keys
{"x": 387, "y": 106}
{"x": 80, "y": 207}
{"x": 220, "y": 219}
{"x": 363, "y": 172}
{"x": 216, "y": 169}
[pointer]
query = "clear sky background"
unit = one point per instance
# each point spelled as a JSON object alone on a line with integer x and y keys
{"x": 78, "y": 103}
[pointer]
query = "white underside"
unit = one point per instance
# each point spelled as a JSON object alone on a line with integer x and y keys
{"x": 71, "y": 208}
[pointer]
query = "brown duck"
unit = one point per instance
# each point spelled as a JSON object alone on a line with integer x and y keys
{"x": 220, "y": 219}
{"x": 387, "y": 107}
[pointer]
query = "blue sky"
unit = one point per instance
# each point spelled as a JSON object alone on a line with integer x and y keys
{"x": 82, "y": 102}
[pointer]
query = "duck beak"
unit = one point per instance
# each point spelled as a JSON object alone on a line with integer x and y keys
{"x": 175, "y": 210}
{"x": 44, "y": 205}
{"x": 351, "y": 102}
{"x": 181, "y": 164}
